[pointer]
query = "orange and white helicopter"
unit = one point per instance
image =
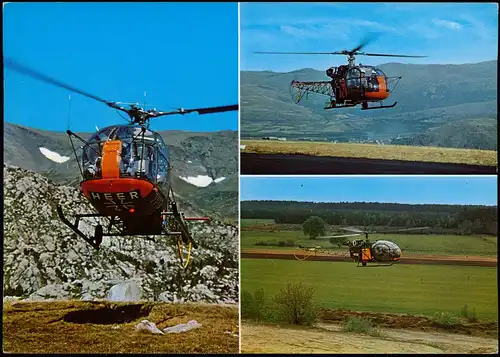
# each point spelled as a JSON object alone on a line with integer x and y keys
{"x": 350, "y": 84}
{"x": 383, "y": 252}
{"x": 127, "y": 175}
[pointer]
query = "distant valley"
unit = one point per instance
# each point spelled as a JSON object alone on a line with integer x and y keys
{"x": 438, "y": 105}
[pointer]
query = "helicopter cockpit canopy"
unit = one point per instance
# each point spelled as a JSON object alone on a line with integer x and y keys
{"x": 143, "y": 154}
{"x": 365, "y": 77}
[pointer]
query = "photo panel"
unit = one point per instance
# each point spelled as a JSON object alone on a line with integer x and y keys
{"x": 358, "y": 88}
{"x": 407, "y": 263}
{"x": 121, "y": 178}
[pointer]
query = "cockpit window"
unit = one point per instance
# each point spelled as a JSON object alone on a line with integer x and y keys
{"x": 143, "y": 154}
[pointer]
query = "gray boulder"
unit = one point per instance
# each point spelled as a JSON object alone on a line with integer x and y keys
{"x": 126, "y": 291}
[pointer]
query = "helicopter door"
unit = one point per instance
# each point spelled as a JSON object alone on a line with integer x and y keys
{"x": 143, "y": 164}
{"x": 366, "y": 254}
{"x": 381, "y": 81}
{"x": 111, "y": 159}
{"x": 354, "y": 83}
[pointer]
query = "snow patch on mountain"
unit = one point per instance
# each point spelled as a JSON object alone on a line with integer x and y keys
{"x": 54, "y": 156}
{"x": 201, "y": 180}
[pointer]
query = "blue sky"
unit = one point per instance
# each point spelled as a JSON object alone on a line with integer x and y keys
{"x": 403, "y": 189}
{"x": 449, "y": 33}
{"x": 181, "y": 54}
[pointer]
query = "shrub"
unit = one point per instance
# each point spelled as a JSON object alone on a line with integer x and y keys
{"x": 252, "y": 306}
{"x": 472, "y": 317}
{"x": 465, "y": 311}
{"x": 357, "y": 324}
{"x": 281, "y": 243}
{"x": 445, "y": 319}
{"x": 469, "y": 315}
{"x": 294, "y": 304}
{"x": 360, "y": 325}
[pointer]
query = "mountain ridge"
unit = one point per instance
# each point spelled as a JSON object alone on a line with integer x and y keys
{"x": 382, "y": 64}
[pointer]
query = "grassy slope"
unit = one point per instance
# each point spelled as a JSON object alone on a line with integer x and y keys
{"x": 27, "y": 327}
{"x": 371, "y": 151}
{"x": 412, "y": 244}
{"x": 412, "y": 289}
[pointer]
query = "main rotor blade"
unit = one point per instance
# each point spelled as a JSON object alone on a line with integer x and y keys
{"x": 361, "y": 45}
{"x": 404, "y": 229}
{"x": 340, "y": 236}
{"x": 387, "y": 55}
{"x": 201, "y": 111}
{"x": 352, "y": 229}
{"x": 220, "y": 109}
{"x": 301, "y": 53}
{"x": 17, "y": 67}
{"x": 369, "y": 38}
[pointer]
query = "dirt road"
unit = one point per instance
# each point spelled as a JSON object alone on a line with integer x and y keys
{"x": 406, "y": 259}
{"x": 328, "y": 338}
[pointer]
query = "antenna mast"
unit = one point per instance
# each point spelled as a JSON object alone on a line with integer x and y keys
{"x": 69, "y": 108}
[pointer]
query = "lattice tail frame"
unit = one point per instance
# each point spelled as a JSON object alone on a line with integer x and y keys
{"x": 299, "y": 89}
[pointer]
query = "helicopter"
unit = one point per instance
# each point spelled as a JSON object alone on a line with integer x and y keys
{"x": 127, "y": 175}
{"x": 383, "y": 252}
{"x": 350, "y": 84}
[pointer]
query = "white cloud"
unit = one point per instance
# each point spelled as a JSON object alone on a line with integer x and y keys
{"x": 338, "y": 29}
{"x": 301, "y": 32}
{"x": 479, "y": 28}
{"x": 422, "y": 30}
{"x": 450, "y": 25}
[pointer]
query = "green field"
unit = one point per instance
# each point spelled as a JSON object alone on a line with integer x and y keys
{"x": 374, "y": 151}
{"x": 412, "y": 244}
{"x": 246, "y": 222}
{"x": 413, "y": 289}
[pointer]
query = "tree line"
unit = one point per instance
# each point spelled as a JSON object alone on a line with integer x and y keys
{"x": 449, "y": 219}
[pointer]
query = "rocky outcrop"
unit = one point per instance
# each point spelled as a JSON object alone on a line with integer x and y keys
{"x": 42, "y": 258}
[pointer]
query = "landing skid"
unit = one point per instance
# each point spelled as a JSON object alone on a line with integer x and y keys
{"x": 178, "y": 223}
{"x": 94, "y": 241}
{"x": 366, "y": 107}
{"x": 340, "y": 105}
{"x": 365, "y": 265}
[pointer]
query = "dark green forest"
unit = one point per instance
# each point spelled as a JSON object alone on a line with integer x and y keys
{"x": 441, "y": 219}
